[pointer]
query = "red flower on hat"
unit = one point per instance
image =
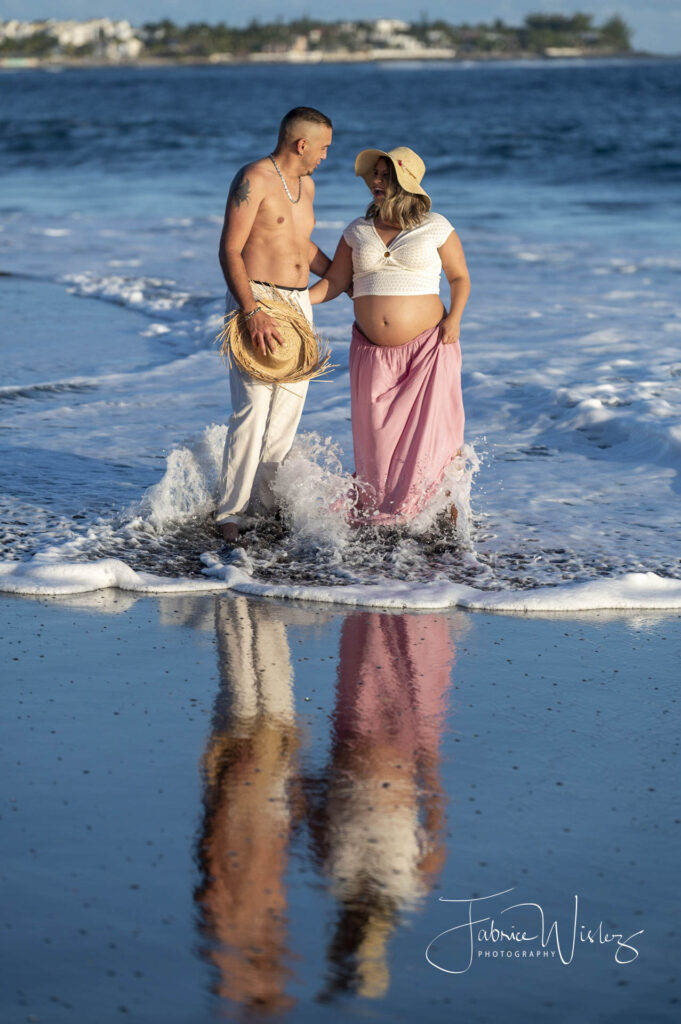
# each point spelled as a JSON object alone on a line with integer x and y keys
{"x": 399, "y": 162}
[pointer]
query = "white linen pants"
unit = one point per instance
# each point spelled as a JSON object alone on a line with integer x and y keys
{"x": 262, "y": 426}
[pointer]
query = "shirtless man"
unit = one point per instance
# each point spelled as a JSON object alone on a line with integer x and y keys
{"x": 266, "y": 241}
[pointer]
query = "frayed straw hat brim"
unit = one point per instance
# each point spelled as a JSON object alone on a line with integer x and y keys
{"x": 303, "y": 355}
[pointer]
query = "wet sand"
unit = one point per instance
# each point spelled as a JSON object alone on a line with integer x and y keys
{"x": 218, "y": 807}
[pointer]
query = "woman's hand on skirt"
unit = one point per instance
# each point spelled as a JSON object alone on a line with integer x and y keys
{"x": 451, "y": 329}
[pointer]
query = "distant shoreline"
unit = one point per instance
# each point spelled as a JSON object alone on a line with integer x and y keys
{"x": 36, "y": 64}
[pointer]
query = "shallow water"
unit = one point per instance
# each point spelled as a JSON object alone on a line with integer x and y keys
{"x": 113, "y": 400}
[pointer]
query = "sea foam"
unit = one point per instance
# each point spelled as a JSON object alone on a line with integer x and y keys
{"x": 635, "y": 591}
{"x": 149, "y": 294}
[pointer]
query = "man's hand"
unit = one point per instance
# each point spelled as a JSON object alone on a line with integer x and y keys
{"x": 263, "y": 332}
{"x": 451, "y": 329}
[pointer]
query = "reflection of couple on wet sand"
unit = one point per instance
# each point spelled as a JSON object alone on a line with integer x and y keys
{"x": 405, "y": 359}
{"x": 375, "y": 814}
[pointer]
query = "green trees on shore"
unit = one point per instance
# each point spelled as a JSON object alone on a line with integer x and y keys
{"x": 539, "y": 34}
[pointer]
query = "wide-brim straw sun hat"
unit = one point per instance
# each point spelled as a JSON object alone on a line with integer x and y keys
{"x": 302, "y": 356}
{"x": 409, "y": 167}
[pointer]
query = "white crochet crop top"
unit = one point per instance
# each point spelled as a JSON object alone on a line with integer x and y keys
{"x": 409, "y": 265}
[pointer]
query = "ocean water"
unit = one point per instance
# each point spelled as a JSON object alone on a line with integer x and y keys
{"x": 562, "y": 181}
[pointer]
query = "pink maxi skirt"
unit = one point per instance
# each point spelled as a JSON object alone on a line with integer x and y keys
{"x": 407, "y": 422}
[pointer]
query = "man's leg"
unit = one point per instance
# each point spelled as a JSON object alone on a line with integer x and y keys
{"x": 285, "y": 412}
{"x": 261, "y": 431}
{"x": 251, "y": 403}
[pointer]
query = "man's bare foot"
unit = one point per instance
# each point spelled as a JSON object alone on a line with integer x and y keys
{"x": 230, "y": 532}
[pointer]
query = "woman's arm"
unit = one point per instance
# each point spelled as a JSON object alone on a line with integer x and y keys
{"x": 337, "y": 278}
{"x": 456, "y": 271}
{"x": 319, "y": 261}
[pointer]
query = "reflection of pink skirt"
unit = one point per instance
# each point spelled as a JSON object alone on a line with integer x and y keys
{"x": 393, "y": 678}
{"x": 407, "y": 421}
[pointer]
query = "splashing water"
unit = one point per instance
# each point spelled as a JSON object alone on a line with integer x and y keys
{"x": 311, "y": 538}
{"x": 316, "y": 494}
{"x": 169, "y": 528}
{"x": 186, "y": 491}
{"x": 321, "y": 543}
{"x": 314, "y": 538}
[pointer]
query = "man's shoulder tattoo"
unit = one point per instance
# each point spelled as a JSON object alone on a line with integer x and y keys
{"x": 240, "y": 188}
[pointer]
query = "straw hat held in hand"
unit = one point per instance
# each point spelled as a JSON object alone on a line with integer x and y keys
{"x": 293, "y": 350}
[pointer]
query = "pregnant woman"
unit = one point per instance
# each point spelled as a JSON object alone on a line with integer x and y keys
{"x": 405, "y": 359}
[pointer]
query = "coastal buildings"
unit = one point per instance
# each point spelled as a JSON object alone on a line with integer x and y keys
{"x": 110, "y": 41}
{"x": 102, "y": 37}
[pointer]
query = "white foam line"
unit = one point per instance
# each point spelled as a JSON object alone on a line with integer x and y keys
{"x": 633, "y": 591}
{"x": 55, "y": 579}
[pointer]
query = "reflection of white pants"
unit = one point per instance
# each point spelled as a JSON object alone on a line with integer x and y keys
{"x": 262, "y": 426}
{"x": 255, "y": 661}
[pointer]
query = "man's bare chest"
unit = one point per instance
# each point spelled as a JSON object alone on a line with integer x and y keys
{"x": 278, "y": 217}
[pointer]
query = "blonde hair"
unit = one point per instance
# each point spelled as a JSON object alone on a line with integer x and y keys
{"x": 399, "y": 206}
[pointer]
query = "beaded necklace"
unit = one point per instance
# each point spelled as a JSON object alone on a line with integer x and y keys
{"x": 283, "y": 181}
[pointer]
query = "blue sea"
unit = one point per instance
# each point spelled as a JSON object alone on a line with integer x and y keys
{"x": 562, "y": 180}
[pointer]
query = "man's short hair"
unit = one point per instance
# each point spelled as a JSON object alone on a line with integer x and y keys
{"x": 307, "y": 114}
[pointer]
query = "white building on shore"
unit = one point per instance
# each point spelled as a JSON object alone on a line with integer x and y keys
{"x": 115, "y": 40}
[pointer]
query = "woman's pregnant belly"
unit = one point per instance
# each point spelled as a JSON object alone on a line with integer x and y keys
{"x": 391, "y": 320}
